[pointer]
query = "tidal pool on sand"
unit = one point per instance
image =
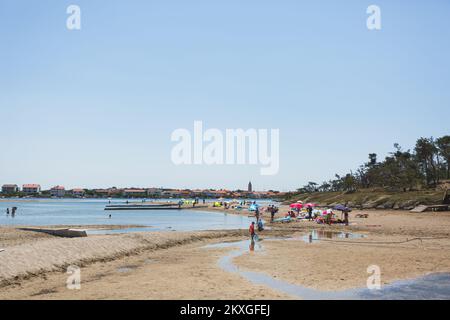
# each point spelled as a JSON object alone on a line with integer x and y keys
{"x": 433, "y": 286}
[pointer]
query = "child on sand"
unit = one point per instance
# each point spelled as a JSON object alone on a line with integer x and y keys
{"x": 252, "y": 231}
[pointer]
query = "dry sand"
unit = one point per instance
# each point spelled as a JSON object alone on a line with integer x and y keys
{"x": 38, "y": 257}
{"x": 174, "y": 265}
{"x": 180, "y": 272}
{"x": 10, "y": 236}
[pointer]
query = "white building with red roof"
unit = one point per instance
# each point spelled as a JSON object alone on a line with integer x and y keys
{"x": 10, "y": 188}
{"x": 31, "y": 188}
{"x": 134, "y": 192}
{"x": 77, "y": 192}
{"x": 58, "y": 191}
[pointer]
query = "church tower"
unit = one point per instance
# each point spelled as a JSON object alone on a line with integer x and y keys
{"x": 250, "y": 187}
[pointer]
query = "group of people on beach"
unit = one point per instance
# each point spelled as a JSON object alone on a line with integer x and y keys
{"x": 296, "y": 213}
{"x": 272, "y": 210}
{"x": 259, "y": 221}
{"x": 308, "y": 213}
{"x": 322, "y": 217}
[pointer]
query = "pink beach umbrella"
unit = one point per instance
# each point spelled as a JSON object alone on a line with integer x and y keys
{"x": 310, "y": 205}
{"x": 296, "y": 206}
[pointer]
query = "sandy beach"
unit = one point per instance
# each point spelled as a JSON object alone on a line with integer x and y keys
{"x": 176, "y": 265}
{"x": 395, "y": 222}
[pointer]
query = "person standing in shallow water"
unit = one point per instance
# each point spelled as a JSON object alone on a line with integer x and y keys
{"x": 252, "y": 231}
{"x": 252, "y": 246}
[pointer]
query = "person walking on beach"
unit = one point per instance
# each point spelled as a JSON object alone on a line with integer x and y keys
{"x": 257, "y": 214}
{"x": 252, "y": 231}
{"x": 7, "y": 211}
{"x": 273, "y": 212}
{"x": 329, "y": 216}
{"x": 346, "y": 217}
{"x": 309, "y": 209}
{"x": 252, "y": 246}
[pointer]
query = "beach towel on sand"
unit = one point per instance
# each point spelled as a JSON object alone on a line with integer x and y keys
{"x": 287, "y": 219}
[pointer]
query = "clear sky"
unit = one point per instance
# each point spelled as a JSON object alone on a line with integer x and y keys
{"x": 96, "y": 107}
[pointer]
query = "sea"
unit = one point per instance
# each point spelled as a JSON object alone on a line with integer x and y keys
{"x": 83, "y": 212}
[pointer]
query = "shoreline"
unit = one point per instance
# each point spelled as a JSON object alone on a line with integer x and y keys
{"x": 338, "y": 263}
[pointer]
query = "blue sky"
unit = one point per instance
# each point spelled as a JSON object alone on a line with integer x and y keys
{"x": 96, "y": 107}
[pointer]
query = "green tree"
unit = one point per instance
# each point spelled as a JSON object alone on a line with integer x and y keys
{"x": 372, "y": 159}
{"x": 325, "y": 186}
{"x": 443, "y": 146}
{"x": 348, "y": 182}
{"x": 426, "y": 152}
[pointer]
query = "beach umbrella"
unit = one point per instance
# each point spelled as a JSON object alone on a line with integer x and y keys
{"x": 296, "y": 206}
{"x": 341, "y": 207}
{"x": 310, "y": 205}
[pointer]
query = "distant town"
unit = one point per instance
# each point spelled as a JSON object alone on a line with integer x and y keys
{"x": 35, "y": 191}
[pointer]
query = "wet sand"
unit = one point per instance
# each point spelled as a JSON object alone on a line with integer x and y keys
{"x": 175, "y": 265}
{"x": 339, "y": 264}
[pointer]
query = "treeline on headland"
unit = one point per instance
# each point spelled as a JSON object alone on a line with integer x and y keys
{"x": 404, "y": 179}
{"x": 423, "y": 167}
